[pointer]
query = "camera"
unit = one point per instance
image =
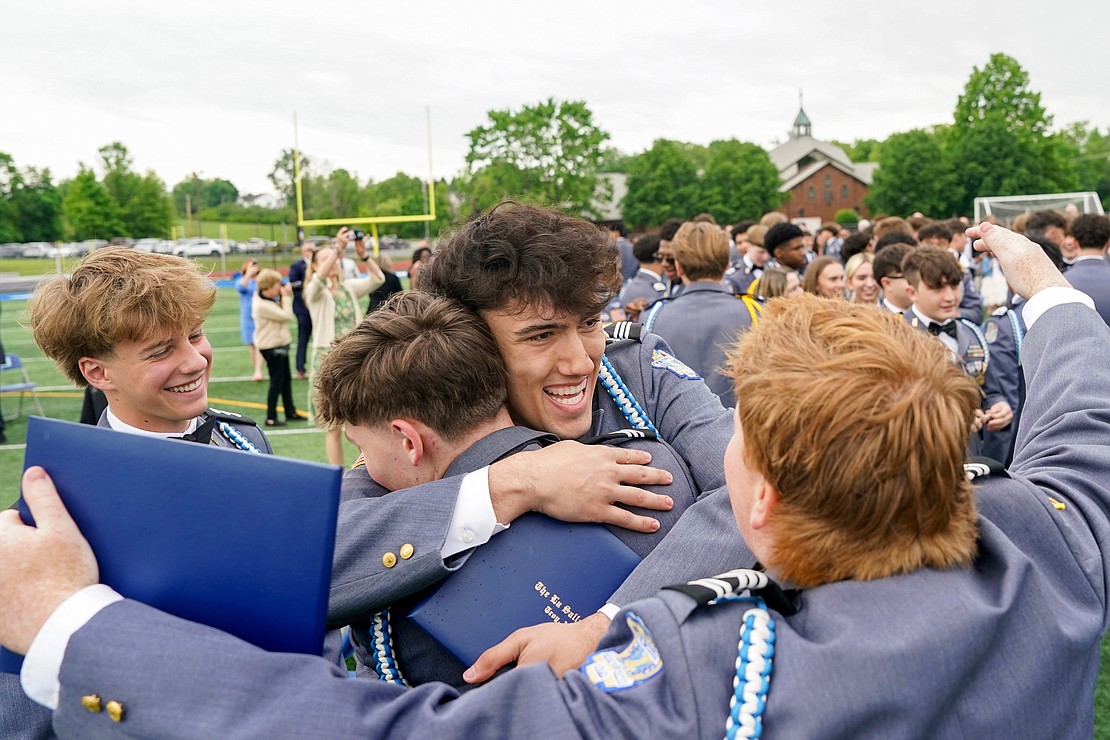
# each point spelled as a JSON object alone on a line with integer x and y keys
{"x": 357, "y": 235}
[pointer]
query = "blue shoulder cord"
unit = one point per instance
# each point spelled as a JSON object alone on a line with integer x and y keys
{"x": 754, "y": 661}
{"x": 381, "y": 650}
{"x": 623, "y": 398}
{"x": 1019, "y": 336}
{"x": 236, "y": 437}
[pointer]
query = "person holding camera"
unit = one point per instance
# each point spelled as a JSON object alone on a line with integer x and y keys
{"x": 333, "y": 302}
{"x": 272, "y": 309}
{"x": 300, "y": 310}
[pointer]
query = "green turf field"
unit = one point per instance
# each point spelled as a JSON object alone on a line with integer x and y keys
{"x": 231, "y": 388}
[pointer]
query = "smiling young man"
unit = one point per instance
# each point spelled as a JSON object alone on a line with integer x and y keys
{"x": 540, "y": 278}
{"x": 414, "y": 424}
{"x": 130, "y": 323}
{"x": 933, "y": 278}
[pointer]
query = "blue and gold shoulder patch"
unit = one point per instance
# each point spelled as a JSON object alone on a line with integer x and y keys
{"x": 666, "y": 361}
{"x": 637, "y": 662}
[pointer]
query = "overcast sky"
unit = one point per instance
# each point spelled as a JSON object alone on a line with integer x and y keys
{"x": 212, "y": 86}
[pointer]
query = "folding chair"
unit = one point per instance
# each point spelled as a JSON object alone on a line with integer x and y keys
{"x": 23, "y": 387}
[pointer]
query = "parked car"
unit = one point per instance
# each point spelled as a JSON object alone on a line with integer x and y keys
{"x": 257, "y": 244}
{"x": 151, "y": 244}
{"x": 11, "y": 249}
{"x": 94, "y": 244}
{"x": 36, "y": 249}
{"x": 67, "y": 251}
{"x": 392, "y": 241}
{"x": 200, "y": 248}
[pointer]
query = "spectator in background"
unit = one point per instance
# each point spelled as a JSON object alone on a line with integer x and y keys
{"x": 739, "y": 278}
{"x": 647, "y": 285}
{"x": 1018, "y": 226}
{"x": 1089, "y": 271}
{"x": 889, "y": 225}
{"x": 421, "y": 256}
{"x": 300, "y": 310}
{"x": 739, "y": 246}
{"x": 666, "y": 255}
{"x": 334, "y": 304}
{"x": 950, "y": 235}
{"x": 786, "y": 244}
{"x": 391, "y": 285}
{"x": 825, "y": 277}
{"x": 777, "y": 283}
{"x": 247, "y": 287}
{"x": 859, "y": 276}
{"x": 629, "y": 263}
{"x": 827, "y": 243}
{"x": 891, "y": 279}
{"x": 1052, "y": 226}
{"x": 272, "y": 309}
{"x": 705, "y": 319}
{"x": 854, "y": 244}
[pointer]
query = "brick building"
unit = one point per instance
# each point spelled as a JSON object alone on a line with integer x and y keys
{"x": 819, "y": 176}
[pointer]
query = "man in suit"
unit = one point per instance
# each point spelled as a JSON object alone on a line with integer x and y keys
{"x": 300, "y": 310}
{"x": 900, "y": 586}
{"x": 384, "y": 383}
{"x": 1089, "y": 271}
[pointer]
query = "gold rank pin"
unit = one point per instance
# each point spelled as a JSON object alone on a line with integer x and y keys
{"x": 91, "y": 702}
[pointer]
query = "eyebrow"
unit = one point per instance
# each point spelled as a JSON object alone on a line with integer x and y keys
{"x": 154, "y": 346}
{"x": 539, "y": 327}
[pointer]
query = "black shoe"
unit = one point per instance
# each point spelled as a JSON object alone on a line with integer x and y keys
{"x": 274, "y": 423}
{"x": 3, "y": 439}
{"x": 296, "y": 417}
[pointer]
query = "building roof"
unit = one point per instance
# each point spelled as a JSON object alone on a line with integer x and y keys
{"x": 802, "y": 119}
{"x": 786, "y": 156}
{"x": 814, "y": 167}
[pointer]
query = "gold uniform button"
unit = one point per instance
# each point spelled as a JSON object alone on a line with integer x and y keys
{"x": 91, "y": 702}
{"x": 115, "y": 711}
{"x": 406, "y": 551}
{"x": 389, "y": 560}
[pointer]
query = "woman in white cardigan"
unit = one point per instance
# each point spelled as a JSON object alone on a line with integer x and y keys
{"x": 333, "y": 304}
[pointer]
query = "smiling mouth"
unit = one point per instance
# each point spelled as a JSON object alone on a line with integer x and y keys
{"x": 567, "y": 395}
{"x": 188, "y": 387}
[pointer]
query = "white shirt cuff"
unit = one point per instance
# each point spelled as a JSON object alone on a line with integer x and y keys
{"x": 43, "y": 663}
{"x": 609, "y": 610}
{"x": 473, "y": 522}
{"x": 1048, "y": 298}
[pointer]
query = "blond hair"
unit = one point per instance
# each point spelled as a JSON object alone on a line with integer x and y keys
{"x": 116, "y": 295}
{"x": 701, "y": 249}
{"x": 267, "y": 279}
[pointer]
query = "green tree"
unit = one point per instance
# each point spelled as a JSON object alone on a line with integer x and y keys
{"x": 404, "y": 195}
{"x": 662, "y": 184}
{"x": 912, "y": 176}
{"x": 1000, "y": 142}
{"x": 739, "y": 182}
{"x": 550, "y": 152}
{"x": 862, "y": 150}
{"x": 9, "y": 217}
{"x": 282, "y": 174}
{"x": 149, "y": 213}
{"x": 38, "y": 204}
{"x": 1091, "y": 158}
{"x": 88, "y": 210}
{"x": 217, "y": 192}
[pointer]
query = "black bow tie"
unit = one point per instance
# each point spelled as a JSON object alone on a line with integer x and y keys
{"x": 203, "y": 433}
{"x": 937, "y": 329}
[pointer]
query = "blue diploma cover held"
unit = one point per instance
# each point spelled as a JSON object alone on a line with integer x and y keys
{"x": 236, "y": 541}
{"x": 539, "y": 570}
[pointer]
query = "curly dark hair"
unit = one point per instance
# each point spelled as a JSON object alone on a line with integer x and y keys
{"x": 524, "y": 255}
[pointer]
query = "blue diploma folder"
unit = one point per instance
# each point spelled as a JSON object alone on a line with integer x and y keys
{"x": 539, "y": 570}
{"x": 237, "y": 541}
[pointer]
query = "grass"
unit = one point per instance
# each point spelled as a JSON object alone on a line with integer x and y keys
{"x": 231, "y": 388}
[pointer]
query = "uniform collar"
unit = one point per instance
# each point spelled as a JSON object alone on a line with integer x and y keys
{"x": 495, "y": 446}
{"x": 111, "y": 420}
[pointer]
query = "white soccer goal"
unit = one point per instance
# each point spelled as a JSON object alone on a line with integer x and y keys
{"x": 1005, "y": 208}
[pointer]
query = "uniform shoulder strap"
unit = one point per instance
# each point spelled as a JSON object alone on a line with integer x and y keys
{"x": 618, "y": 330}
{"x": 231, "y": 417}
{"x": 753, "y": 304}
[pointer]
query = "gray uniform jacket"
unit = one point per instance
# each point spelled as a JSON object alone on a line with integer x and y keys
{"x": 228, "y": 430}
{"x": 421, "y": 659}
{"x": 1004, "y": 331}
{"x": 739, "y": 278}
{"x": 683, "y": 410}
{"x": 698, "y": 326}
{"x": 1007, "y": 647}
{"x": 644, "y": 284}
{"x": 1092, "y": 276}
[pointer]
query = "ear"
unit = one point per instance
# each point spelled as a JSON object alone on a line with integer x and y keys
{"x": 411, "y": 440}
{"x": 763, "y": 507}
{"x": 96, "y": 373}
{"x": 911, "y": 292}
